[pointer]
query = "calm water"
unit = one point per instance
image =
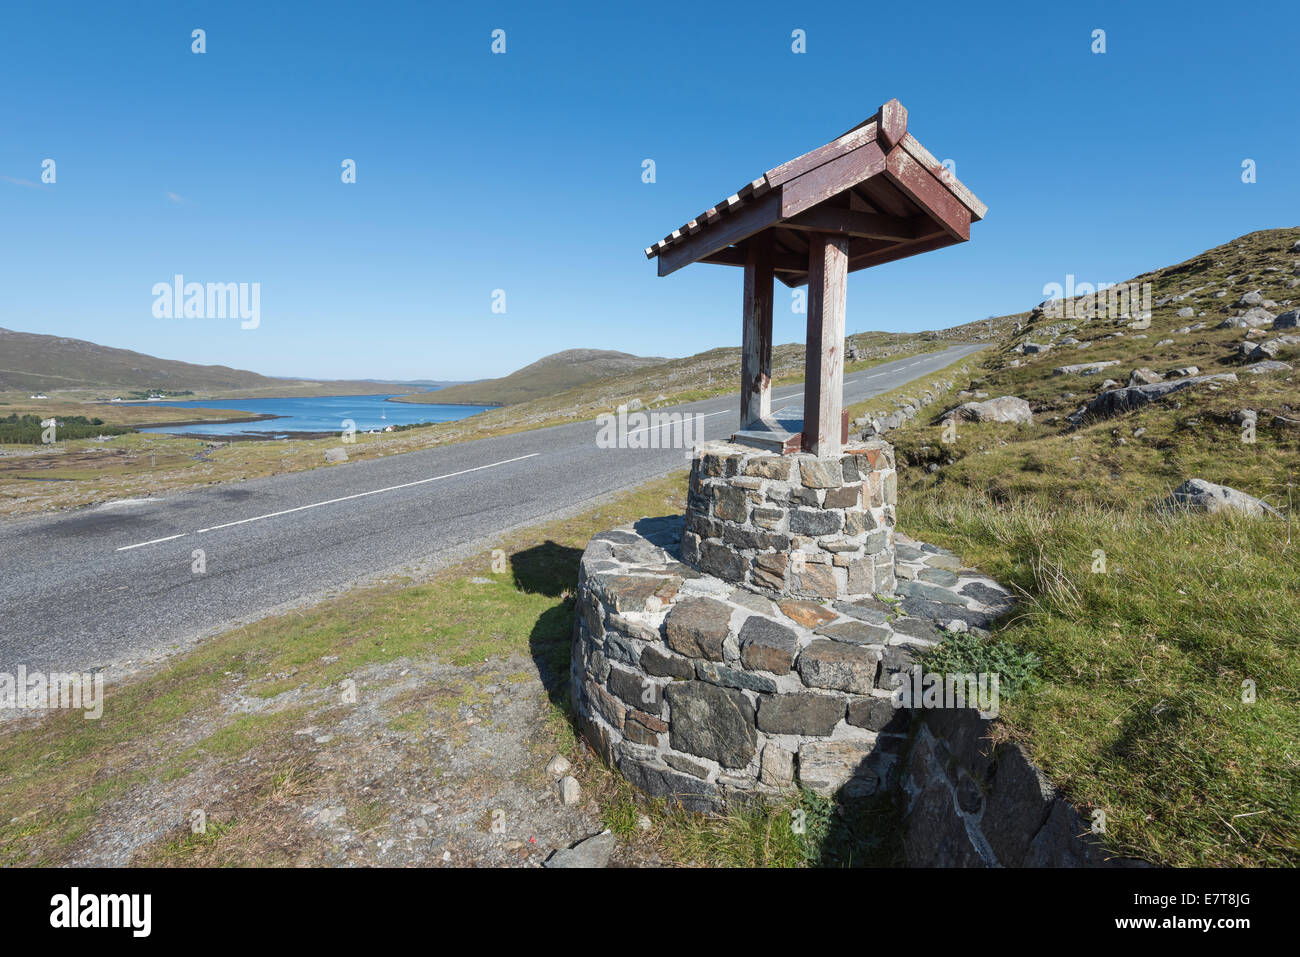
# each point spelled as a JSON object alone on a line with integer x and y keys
{"x": 321, "y": 413}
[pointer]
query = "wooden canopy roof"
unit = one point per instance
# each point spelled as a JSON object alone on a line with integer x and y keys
{"x": 875, "y": 184}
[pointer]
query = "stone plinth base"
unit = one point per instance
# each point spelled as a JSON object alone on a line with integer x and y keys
{"x": 701, "y": 691}
{"x": 794, "y": 525}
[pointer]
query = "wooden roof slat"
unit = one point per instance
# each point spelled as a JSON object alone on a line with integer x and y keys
{"x": 732, "y": 229}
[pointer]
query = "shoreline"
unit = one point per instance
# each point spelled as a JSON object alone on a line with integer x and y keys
{"x": 251, "y": 417}
{"x": 247, "y": 436}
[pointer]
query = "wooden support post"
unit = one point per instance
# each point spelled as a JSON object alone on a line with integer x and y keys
{"x": 756, "y": 339}
{"x": 823, "y": 395}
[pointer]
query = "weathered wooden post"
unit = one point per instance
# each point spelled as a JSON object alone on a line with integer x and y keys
{"x": 756, "y": 351}
{"x": 823, "y": 397}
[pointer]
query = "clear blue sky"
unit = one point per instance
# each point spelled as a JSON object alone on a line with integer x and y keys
{"x": 522, "y": 171}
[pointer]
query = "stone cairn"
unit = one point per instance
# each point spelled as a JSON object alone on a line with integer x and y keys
{"x": 750, "y": 645}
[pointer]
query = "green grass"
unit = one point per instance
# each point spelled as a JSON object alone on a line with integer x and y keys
{"x": 801, "y": 830}
{"x": 1143, "y": 625}
{"x": 1138, "y": 707}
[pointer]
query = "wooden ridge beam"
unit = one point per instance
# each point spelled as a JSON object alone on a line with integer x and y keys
{"x": 818, "y": 185}
{"x": 891, "y": 124}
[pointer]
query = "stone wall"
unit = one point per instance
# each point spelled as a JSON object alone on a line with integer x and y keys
{"x": 970, "y": 803}
{"x": 794, "y": 525}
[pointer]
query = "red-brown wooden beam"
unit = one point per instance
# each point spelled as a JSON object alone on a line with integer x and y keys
{"x": 756, "y": 338}
{"x": 891, "y": 125}
{"x": 820, "y": 184}
{"x": 739, "y": 256}
{"x": 926, "y": 189}
{"x": 823, "y": 395}
{"x": 852, "y": 223}
{"x": 732, "y": 228}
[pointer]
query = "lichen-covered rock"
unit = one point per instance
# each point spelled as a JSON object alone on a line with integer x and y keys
{"x": 1006, "y": 408}
{"x": 1117, "y": 401}
{"x": 838, "y": 666}
{"x": 697, "y": 627}
{"x": 712, "y": 722}
{"x": 1199, "y": 495}
{"x": 768, "y": 646}
{"x": 826, "y": 766}
{"x": 808, "y": 713}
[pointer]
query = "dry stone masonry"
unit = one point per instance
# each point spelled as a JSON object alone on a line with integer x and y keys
{"x": 794, "y": 525}
{"x": 702, "y": 690}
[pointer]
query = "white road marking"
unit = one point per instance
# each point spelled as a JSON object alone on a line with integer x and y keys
{"x": 332, "y": 501}
{"x": 154, "y": 542}
{"x": 668, "y": 425}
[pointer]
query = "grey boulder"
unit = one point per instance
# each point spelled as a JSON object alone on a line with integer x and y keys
{"x": 591, "y": 852}
{"x": 1200, "y": 495}
{"x": 1116, "y": 401}
{"x": 1006, "y": 408}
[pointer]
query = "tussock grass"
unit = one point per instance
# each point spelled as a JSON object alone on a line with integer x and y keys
{"x": 800, "y": 830}
{"x": 1140, "y": 709}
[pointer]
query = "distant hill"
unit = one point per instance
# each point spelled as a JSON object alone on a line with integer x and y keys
{"x": 423, "y": 383}
{"x": 30, "y": 362}
{"x": 669, "y": 381}
{"x": 547, "y": 376}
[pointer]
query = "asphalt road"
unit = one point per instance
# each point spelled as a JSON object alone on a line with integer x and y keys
{"x": 112, "y": 583}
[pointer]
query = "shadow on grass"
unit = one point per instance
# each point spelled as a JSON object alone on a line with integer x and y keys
{"x": 550, "y": 569}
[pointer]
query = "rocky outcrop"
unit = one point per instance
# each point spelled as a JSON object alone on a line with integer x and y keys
{"x": 1144, "y": 376}
{"x": 1255, "y": 318}
{"x": 1117, "y": 401}
{"x": 1085, "y": 368}
{"x": 970, "y": 803}
{"x": 1267, "y": 366}
{"x": 1268, "y": 348}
